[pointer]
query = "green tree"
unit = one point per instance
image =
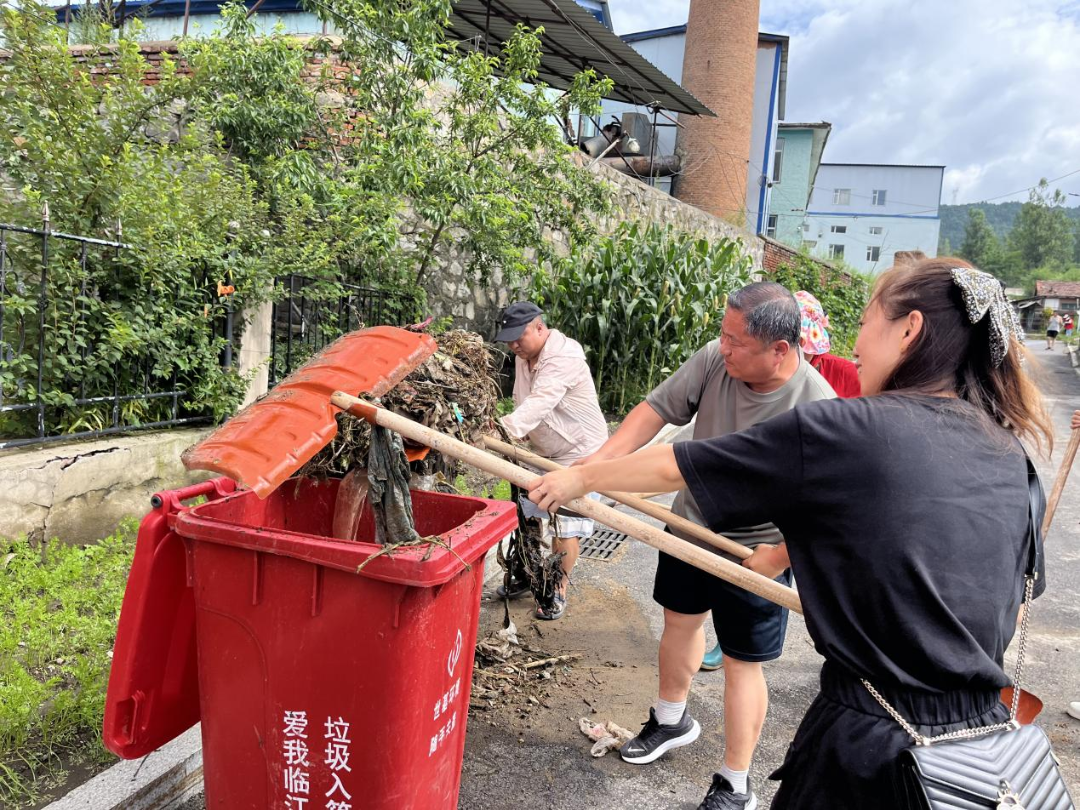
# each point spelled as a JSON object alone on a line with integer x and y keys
{"x": 104, "y": 153}
{"x": 980, "y": 245}
{"x": 1043, "y": 235}
{"x": 407, "y": 134}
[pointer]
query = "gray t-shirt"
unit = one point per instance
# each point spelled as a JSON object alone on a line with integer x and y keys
{"x": 725, "y": 405}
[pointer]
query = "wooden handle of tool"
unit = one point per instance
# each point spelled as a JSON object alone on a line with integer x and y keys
{"x": 1059, "y": 482}
{"x": 680, "y": 549}
{"x": 648, "y": 496}
{"x": 635, "y": 501}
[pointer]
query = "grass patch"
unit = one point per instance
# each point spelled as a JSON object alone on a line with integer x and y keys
{"x": 59, "y": 605}
{"x": 499, "y": 491}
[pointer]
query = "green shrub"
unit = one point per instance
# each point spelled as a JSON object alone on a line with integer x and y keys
{"x": 843, "y": 294}
{"x": 641, "y": 303}
{"x": 59, "y": 605}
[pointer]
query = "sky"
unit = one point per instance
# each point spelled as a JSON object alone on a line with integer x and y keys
{"x": 988, "y": 88}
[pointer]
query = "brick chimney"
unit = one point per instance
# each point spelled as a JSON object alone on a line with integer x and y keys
{"x": 718, "y": 68}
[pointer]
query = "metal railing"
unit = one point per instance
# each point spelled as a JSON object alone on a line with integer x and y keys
{"x": 305, "y": 318}
{"x": 29, "y": 343}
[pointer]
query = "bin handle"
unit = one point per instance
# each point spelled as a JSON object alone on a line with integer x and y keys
{"x": 170, "y": 501}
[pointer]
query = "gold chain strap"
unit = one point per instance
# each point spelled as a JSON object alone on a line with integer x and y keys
{"x": 972, "y": 733}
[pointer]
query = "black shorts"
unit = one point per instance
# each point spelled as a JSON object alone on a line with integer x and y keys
{"x": 1051, "y": 333}
{"x": 748, "y": 627}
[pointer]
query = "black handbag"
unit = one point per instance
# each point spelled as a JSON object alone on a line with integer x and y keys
{"x": 1006, "y": 765}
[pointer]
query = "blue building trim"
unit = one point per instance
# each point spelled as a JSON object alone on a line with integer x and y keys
{"x": 654, "y": 33}
{"x": 761, "y": 212}
{"x": 175, "y": 8}
{"x": 874, "y": 216}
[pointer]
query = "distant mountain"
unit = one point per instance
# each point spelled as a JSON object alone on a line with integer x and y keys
{"x": 1000, "y": 216}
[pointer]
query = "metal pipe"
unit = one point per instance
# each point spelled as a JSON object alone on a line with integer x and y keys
{"x": 42, "y": 303}
{"x": 3, "y": 295}
{"x": 288, "y": 345}
{"x": 652, "y": 146}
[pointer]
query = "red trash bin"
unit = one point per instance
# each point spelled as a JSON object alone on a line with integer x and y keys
{"x": 318, "y": 686}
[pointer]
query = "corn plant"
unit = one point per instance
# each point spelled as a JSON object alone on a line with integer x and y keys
{"x": 641, "y": 301}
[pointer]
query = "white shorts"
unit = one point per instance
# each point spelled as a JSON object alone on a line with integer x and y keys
{"x": 570, "y": 525}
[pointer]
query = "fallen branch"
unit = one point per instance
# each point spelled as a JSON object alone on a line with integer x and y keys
{"x": 558, "y": 659}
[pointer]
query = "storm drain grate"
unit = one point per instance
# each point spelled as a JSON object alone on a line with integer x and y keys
{"x": 603, "y": 544}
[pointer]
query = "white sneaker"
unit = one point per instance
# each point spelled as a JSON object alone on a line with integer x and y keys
{"x": 1074, "y": 709}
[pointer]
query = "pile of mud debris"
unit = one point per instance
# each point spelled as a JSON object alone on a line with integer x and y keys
{"x": 516, "y": 675}
{"x": 455, "y": 391}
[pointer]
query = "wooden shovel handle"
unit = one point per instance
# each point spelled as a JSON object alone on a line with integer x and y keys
{"x": 680, "y": 549}
{"x": 635, "y": 501}
{"x": 1059, "y": 482}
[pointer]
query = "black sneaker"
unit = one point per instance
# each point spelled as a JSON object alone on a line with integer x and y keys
{"x": 722, "y": 796}
{"x": 517, "y": 590}
{"x": 656, "y": 739}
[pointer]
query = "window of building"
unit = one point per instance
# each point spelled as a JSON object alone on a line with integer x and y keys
{"x": 836, "y": 251}
{"x": 1068, "y": 306}
{"x": 770, "y": 225}
{"x": 806, "y": 226}
{"x": 778, "y": 160}
{"x": 876, "y": 230}
{"x": 810, "y": 243}
{"x": 841, "y": 196}
{"x": 879, "y": 197}
{"x": 838, "y": 229}
{"x": 873, "y": 253}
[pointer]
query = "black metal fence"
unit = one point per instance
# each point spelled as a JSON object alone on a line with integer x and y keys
{"x": 45, "y": 393}
{"x": 308, "y": 317}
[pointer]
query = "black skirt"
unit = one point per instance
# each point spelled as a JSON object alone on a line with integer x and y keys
{"x": 844, "y": 754}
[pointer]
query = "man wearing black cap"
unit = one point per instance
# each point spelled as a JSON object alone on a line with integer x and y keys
{"x": 556, "y": 408}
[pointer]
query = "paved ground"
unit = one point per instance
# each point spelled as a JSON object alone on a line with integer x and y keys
{"x": 539, "y": 759}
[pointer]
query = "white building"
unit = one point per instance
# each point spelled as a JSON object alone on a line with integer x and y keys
{"x": 665, "y": 47}
{"x": 864, "y": 213}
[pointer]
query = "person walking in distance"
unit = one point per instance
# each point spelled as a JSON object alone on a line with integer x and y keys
{"x": 1053, "y": 329}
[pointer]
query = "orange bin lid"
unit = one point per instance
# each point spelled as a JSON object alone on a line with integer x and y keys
{"x": 271, "y": 439}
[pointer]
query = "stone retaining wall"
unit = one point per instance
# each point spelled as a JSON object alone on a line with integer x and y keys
{"x": 80, "y": 491}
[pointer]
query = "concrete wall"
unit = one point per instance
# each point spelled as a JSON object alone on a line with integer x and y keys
{"x": 635, "y": 200}
{"x": 79, "y": 492}
{"x": 763, "y": 134}
{"x": 789, "y": 193}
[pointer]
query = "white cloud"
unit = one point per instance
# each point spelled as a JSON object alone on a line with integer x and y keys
{"x": 629, "y": 16}
{"x": 987, "y": 87}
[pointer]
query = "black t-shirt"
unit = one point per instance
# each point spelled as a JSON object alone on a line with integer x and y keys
{"x": 906, "y": 521}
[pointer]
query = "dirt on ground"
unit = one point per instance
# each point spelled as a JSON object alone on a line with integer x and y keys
{"x": 612, "y": 680}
